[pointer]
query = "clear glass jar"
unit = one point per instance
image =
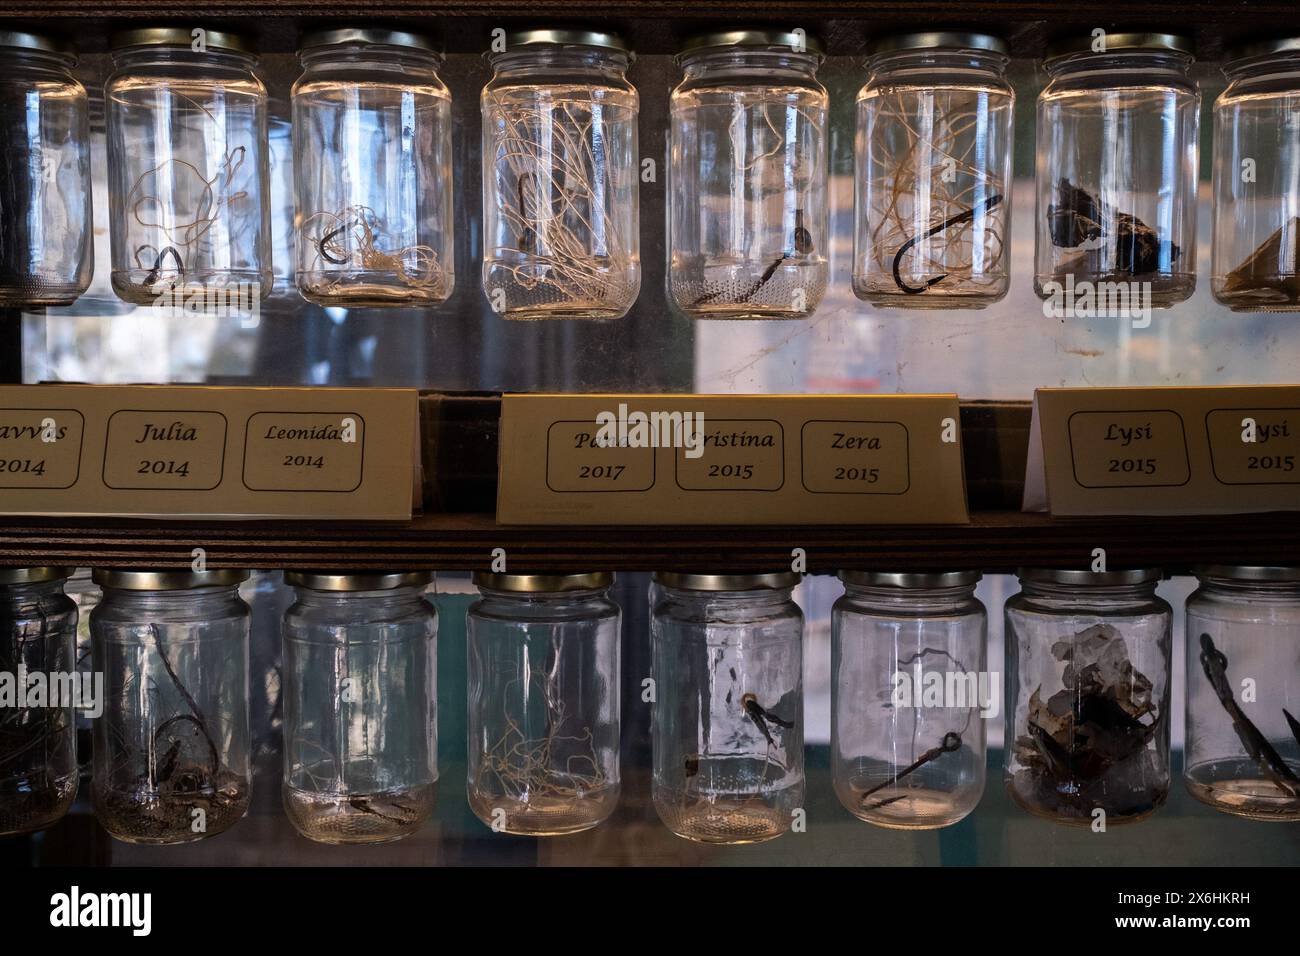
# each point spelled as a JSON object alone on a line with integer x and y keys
{"x": 360, "y": 706}
{"x": 171, "y": 760}
{"x": 1242, "y": 753}
{"x": 46, "y": 251}
{"x": 187, "y": 167}
{"x": 38, "y": 745}
{"x": 727, "y": 721}
{"x": 544, "y": 707}
{"x": 932, "y": 180}
{"x": 747, "y": 223}
{"x": 1088, "y": 675}
{"x": 1256, "y": 252}
{"x": 908, "y": 683}
{"x": 372, "y": 167}
{"x": 1117, "y": 170}
{"x": 561, "y": 228}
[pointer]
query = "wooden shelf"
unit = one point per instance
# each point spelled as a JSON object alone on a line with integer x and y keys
{"x": 993, "y": 541}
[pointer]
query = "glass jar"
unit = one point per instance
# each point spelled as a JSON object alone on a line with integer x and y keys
{"x": 38, "y": 745}
{"x": 544, "y": 707}
{"x": 1256, "y": 252}
{"x": 360, "y": 706}
{"x": 46, "y": 251}
{"x": 1242, "y": 754}
{"x": 187, "y": 167}
{"x": 171, "y": 747}
{"x": 1088, "y": 674}
{"x": 727, "y": 720}
{"x": 747, "y": 226}
{"x": 560, "y": 177}
{"x": 1116, "y": 173}
{"x": 932, "y": 180}
{"x": 372, "y": 166}
{"x": 909, "y": 691}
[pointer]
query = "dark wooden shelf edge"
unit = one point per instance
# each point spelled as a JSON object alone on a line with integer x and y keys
{"x": 993, "y": 541}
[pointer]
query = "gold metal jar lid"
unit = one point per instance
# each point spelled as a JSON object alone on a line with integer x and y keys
{"x": 756, "y": 39}
{"x": 728, "y": 582}
{"x": 39, "y": 575}
{"x": 1121, "y": 42}
{"x": 129, "y": 579}
{"x": 179, "y": 36}
{"x": 356, "y": 581}
{"x": 939, "y": 40}
{"x": 1096, "y": 579}
{"x": 1262, "y": 574}
{"x": 1261, "y": 47}
{"x": 566, "y": 36}
{"x": 543, "y": 583}
{"x": 38, "y": 42}
{"x": 367, "y": 36}
{"x": 911, "y": 579}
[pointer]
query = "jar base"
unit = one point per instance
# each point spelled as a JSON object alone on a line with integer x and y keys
{"x": 729, "y": 819}
{"x": 1045, "y": 804}
{"x": 905, "y": 808}
{"x": 371, "y": 296}
{"x": 1087, "y": 301}
{"x": 36, "y": 807}
{"x": 165, "y": 819}
{"x": 38, "y": 296}
{"x": 546, "y": 815}
{"x": 358, "y": 818}
{"x": 221, "y": 291}
{"x": 1236, "y": 788}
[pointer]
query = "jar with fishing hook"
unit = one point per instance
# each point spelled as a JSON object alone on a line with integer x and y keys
{"x": 909, "y": 692}
{"x": 561, "y": 176}
{"x": 544, "y": 702}
{"x": 1242, "y": 754}
{"x": 187, "y": 168}
{"x": 46, "y": 250}
{"x": 372, "y": 135}
{"x": 747, "y": 227}
{"x": 1088, "y": 677}
{"x": 360, "y": 706}
{"x": 1256, "y": 250}
{"x": 38, "y": 747}
{"x": 171, "y": 762}
{"x": 727, "y": 718}
{"x": 932, "y": 180}
{"x": 1116, "y": 174}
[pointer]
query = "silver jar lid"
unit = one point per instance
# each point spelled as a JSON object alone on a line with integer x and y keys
{"x": 39, "y": 575}
{"x": 939, "y": 40}
{"x": 911, "y": 579}
{"x": 566, "y": 36}
{"x": 359, "y": 581}
{"x": 1254, "y": 48}
{"x": 1263, "y": 574}
{"x": 758, "y": 39}
{"x": 1096, "y": 579}
{"x": 179, "y": 36}
{"x": 129, "y": 579}
{"x": 1121, "y": 42}
{"x": 728, "y": 582}
{"x": 38, "y": 42}
{"x": 367, "y": 36}
{"x": 543, "y": 583}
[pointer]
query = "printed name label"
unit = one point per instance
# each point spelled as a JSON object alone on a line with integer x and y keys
{"x": 576, "y": 461}
{"x": 739, "y": 455}
{"x": 40, "y": 448}
{"x": 1255, "y": 446}
{"x": 856, "y": 458}
{"x": 304, "y": 451}
{"x": 166, "y": 450}
{"x": 1144, "y": 448}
